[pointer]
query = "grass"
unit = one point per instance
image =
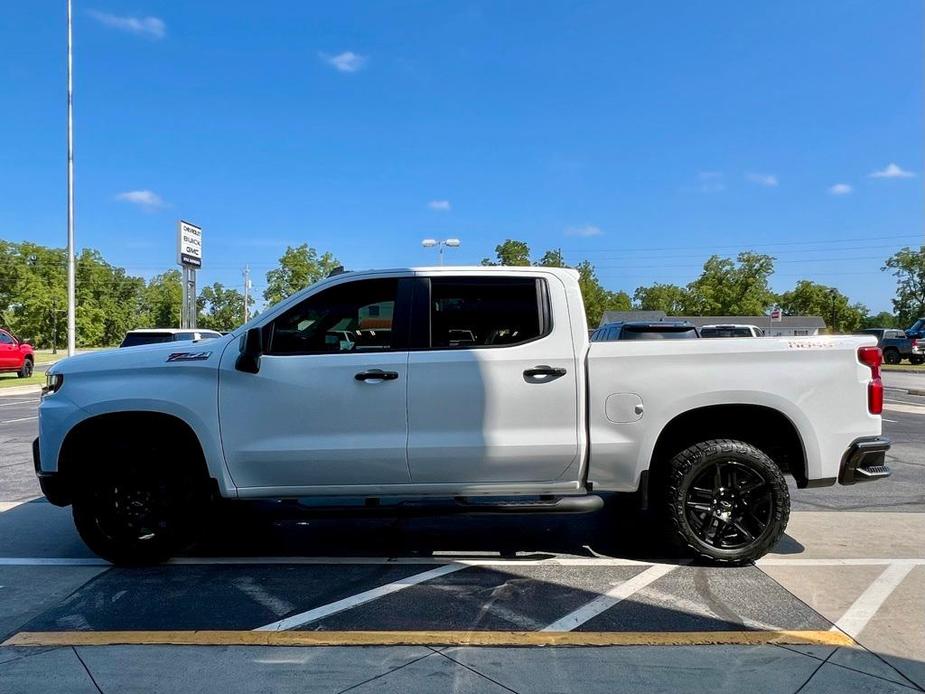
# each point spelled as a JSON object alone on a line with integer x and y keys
{"x": 10, "y": 380}
{"x": 44, "y": 356}
{"x": 904, "y": 367}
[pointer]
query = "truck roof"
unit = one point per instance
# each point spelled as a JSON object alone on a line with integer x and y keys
{"x": 501, "y": 269}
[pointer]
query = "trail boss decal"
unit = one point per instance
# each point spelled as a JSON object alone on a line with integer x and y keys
{"x": 189, "y": 356}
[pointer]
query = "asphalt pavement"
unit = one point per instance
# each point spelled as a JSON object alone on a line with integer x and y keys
{"x": 274, "y": 599}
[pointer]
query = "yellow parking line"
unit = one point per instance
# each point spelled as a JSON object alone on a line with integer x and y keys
{"x": 427, "y": 638}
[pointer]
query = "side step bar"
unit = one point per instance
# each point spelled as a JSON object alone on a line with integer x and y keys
{"x": 374, "y": 506}
{"x": 562, "y": 504}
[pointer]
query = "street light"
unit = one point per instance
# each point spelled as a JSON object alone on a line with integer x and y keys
{"x": 441, "y": 244}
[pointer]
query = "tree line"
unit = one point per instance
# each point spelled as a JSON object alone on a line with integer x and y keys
{"x": 33, "y": 298}
{"x": 740, "y": 286}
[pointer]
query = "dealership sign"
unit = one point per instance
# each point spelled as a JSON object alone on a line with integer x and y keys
{"x": 189, "y": 245}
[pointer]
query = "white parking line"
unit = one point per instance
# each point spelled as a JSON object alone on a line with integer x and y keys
{"x": 20, "y": 402}
{"x": 358, "y": 599}
{"x": 443, "y": 561}
{"x": 903, "y": 407}
{"x": 867, "y": 604}
{"x": 21, "y": 419}
{"x": 609, "y": 599}
{"x": 777, "y": 561}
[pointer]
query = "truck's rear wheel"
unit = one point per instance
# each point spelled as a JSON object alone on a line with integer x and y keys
{"x": 26, "y": 370}
{"x": 136, "y": 514}
{"x": 892, "y": 356}
{"x": 727, "y": 501}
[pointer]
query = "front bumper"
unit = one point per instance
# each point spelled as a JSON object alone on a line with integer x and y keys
{"x": 53, "y": 485}
{"x": 865, "y": 461}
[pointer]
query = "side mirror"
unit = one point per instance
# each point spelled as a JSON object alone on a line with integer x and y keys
{"x": 251, "y": 350}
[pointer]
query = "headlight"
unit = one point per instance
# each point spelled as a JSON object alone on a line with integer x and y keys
{"x": 52, "y": 383}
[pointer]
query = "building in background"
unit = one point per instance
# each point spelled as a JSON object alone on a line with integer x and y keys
{"x": 788, "y": 326}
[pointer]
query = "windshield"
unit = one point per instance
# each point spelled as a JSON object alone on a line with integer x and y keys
{"x": 646, "y": 334}
{"x": 917, "y": 327}
{"x": 135, "y": 339}
{"x": 725, "y": 332}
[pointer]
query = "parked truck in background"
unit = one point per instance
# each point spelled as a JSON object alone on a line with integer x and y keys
{"x": 16, "y": 356}
{"x": 897, "y": 345}
{"x": 474, "y": 385}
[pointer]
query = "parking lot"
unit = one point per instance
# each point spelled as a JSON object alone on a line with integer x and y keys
{"x": 470, "y": 603}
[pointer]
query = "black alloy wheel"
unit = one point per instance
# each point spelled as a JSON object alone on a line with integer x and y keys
{"x": 726, "y": 500}
{"x": 728, "y": 505}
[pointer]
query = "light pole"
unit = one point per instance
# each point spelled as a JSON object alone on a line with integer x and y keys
{"x": 71, "y": 299}
{"x": 441, "y": 244}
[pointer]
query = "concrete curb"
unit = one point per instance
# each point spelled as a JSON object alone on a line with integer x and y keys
{"x": 905, "y": 391}
{"x": 20, "y": 390}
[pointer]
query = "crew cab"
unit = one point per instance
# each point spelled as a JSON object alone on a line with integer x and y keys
{"x": 474, "y": 385}
{"x": 15, "y": 355}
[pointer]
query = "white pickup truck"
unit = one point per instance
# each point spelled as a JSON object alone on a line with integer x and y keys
{"x": 474, "y": 386}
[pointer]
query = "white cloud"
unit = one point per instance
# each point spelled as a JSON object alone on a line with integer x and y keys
{"x": 584, "y": 231}
{"x": 145, "y": 199}
{"x": 151, "y": 27}
{"x": 439, "y": 205}
{"x": 348, "y": 61}
{"x": 766, "y": 180}
{"x": 892, "y": 171}
{"x": 840, "y": 189}
{"x": 710, "y": 182}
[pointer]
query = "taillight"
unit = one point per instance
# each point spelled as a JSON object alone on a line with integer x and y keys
{"x": 872, "y": 358}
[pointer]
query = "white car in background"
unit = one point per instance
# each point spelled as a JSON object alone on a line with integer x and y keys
{"x": 152, "y": 336}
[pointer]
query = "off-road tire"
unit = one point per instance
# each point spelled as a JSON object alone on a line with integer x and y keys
{"x": 136, "y": 471}
{"x": 690, "y": 464}
{"x": 892, "y": 356}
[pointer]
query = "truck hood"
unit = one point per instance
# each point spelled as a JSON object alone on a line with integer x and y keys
{"x": 166, "y": 354}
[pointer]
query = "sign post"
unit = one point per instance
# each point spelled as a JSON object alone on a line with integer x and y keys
{"x": 189, "y": 257}
{"x": 774, "y": 317}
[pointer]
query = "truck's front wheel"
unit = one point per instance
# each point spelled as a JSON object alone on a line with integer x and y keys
{"x": 136, "y": 514}
{"x": 727, "y": 500}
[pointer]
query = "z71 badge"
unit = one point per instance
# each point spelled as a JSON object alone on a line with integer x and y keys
{"x": 189, "y": 356}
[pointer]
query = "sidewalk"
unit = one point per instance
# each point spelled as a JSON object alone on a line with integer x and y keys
{"x": 399, "y": 669}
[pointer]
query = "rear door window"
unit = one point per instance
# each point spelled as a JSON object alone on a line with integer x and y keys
{"x": 468, "y": 312}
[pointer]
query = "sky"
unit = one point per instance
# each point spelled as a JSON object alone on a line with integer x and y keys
{"x": 643, "y": 136}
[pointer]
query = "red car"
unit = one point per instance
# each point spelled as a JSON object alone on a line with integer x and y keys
{"x": 15, "y": 355}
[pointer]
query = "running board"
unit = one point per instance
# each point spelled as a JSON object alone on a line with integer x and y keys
{"x": 373, "y": 506}
{"x": 588, "y": 503}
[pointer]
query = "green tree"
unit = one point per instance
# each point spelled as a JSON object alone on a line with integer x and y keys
{"x": 908, "y": 267}
{"x": 728, "y": 287}
{"x": 510, "y": 252}
{"x": 220, "y": 308}
{"x": 109, "y": 302}
{"x": 809, "y": 298}
{"x": 298, "y": 268}
{"x": 597, "y": 300}
{"x": 670, "y": 298}
{"x": 884, "y": 319}
{"x": 163, "y": 298}
{"x": 553, "y": 258}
